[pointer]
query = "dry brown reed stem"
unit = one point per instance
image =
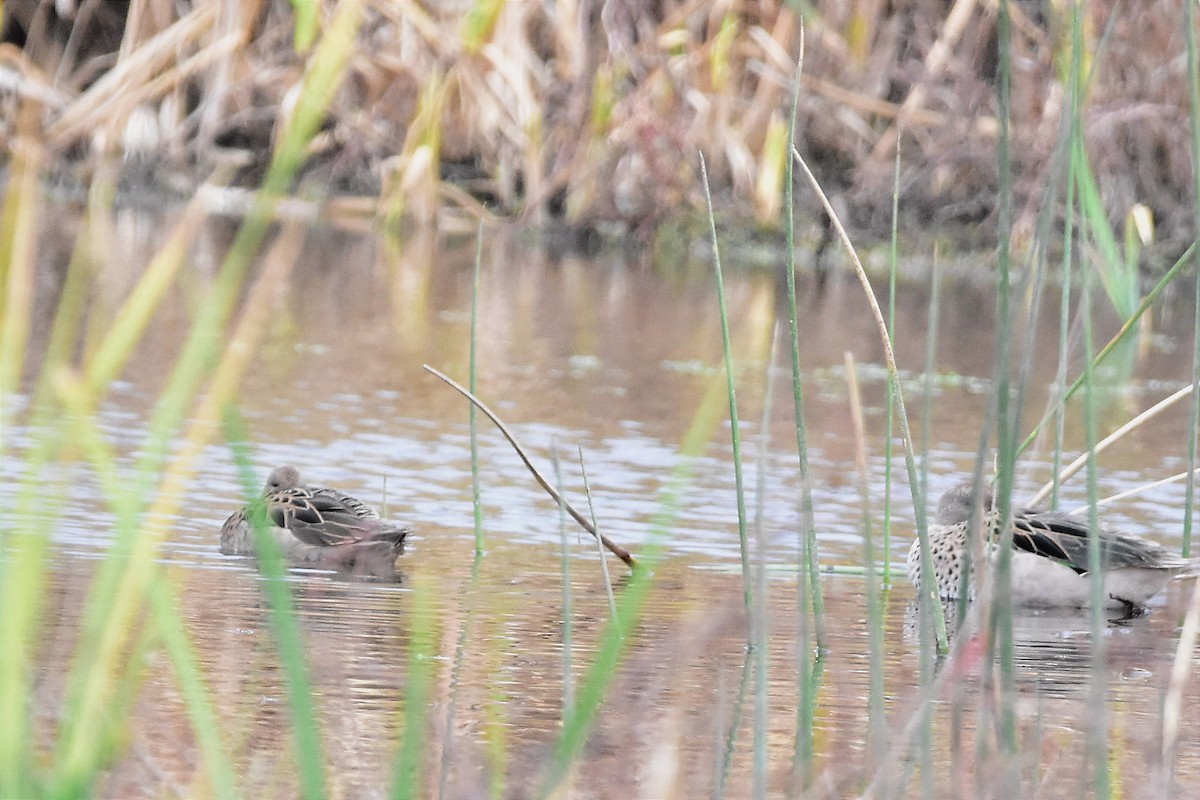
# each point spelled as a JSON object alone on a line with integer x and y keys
{"x": 1112, "y": 438}
{"x": 546, "y": 112}
{"x": 873, "y": 105}
{"x": 19, "y": 76}
{"x": 893, "y": 375}
{"x": 1134, "y": 492}
{"x": 230, "y": 25}
{"x": 587, "y": 491}
{"x": 125, "y": 84}
{"x": 18, "y": 255}
{"x": 860, "y": 427}
{"x": 935, "y": 63}
{"x": 1173, "y": 702}
{"x": 877, "y": 313}
{"x": 583, "y": 521}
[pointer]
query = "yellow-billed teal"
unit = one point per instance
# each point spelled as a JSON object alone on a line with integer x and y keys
{"x": 1050, "y": 556}
{"x": 316, "y": 525}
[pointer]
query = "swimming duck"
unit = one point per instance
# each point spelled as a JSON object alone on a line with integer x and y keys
{"x": 316, "y": 525}
{"x": 1050, "y": 557}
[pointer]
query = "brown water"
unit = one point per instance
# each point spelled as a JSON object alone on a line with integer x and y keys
{"x": 614, "y": 356}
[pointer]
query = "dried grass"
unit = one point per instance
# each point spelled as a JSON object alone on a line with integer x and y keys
{"x": 588, "y": 112}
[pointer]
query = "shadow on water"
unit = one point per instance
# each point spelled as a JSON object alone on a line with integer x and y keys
{"x": 597, "y": 352}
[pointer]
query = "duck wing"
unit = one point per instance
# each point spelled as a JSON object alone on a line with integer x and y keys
{"x": 352, "y": 504}
{"x": 1064, "y": 538}
{"x": 322, "y": 518}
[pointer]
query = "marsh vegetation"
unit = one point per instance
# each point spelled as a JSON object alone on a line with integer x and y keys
{"x": 355, "y": 185}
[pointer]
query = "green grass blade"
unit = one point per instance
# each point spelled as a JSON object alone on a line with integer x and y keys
{"x": 1120, "y": 279}
{"x": 1194, "y": 418}
{"x": 472, "y": 419}
{"x": 23, "y": 559}
{"x": 306, "y": 728}
{"x": 760, "y": 626}
{"x": 890, "y": 418}
{"x": 169, "y": 625}
{"x": 409, "y": 777}
{"x": 729, "y": 748}
{"x": 305, "y": 29}
{"x": 810, "y": 588}
{"x": 730, "y": 381}
{"x": 1119, "y": 338}
{"x": 876, "y": 711}
{"x": 89, "y": 684}
{"x": 1007, "y": 414}
{"x": 1097, "y": 739}
{"x": 456, "y": 671}
{"x": 568, "y": 620}
{"x": 17, "y": 265}
{"x": 1059, "y": 409}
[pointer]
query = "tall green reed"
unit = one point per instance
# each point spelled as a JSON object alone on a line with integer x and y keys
{"x": 18, "y": 229}
{"x": 927, "y": 590}
{"x": 759, "y": 626}
{"x": 306, "y": 729}
{"x": 1064, "y": 315}
{"x": 457, "y": 666}
{"x": 731, "y": 390}
{"x": 890, "y": 417}
{"x": 117, "y": 590}
{"x": 472, "y": 587}
{"x": 22, "y": 576}
{"x": 1193, "y": 66}
{"x": 163, "y": 603}
{"x": 809, "y": 587}
{"x": 1004, "y": 415}
{"x": 876, "y": 710}
{"x": 1097, "y": 738}
{"x": 587, "y": 490}
{"x": 568, "y": 617}
{"x": 809, "y": 592}
{"x": 422, "y": 662}
{"x": 23, "y": 584}
{"x": 927, "y": 622}
{"x": 933, "y": 322}
{"x": 473, "y": 382}
{"x": 732, "y": 731}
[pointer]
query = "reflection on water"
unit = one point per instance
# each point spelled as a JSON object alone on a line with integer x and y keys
{"x": 613, "y": 357}
{"x": 1052, "y": 648}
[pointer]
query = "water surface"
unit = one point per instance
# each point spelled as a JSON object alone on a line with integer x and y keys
{"x": 612, "y": 355}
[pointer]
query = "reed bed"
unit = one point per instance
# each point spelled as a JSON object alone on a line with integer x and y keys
{"x": 577, "y": 113}
{"x": 373, "y": 88}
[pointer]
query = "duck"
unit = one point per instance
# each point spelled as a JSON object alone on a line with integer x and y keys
{"x": 1050, "y": 561}
{"x": 316, "y": 525}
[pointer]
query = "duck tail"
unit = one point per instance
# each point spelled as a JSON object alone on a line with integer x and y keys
{"x": 396, "y": 534}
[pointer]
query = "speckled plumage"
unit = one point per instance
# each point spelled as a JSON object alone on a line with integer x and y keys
{"x": 316, "y": 525}
{"x": 1050, "y": 556}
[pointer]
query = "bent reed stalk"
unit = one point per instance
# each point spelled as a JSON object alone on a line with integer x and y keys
{"x": 929, "y": 591}
{"x": 583, "y": 521}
